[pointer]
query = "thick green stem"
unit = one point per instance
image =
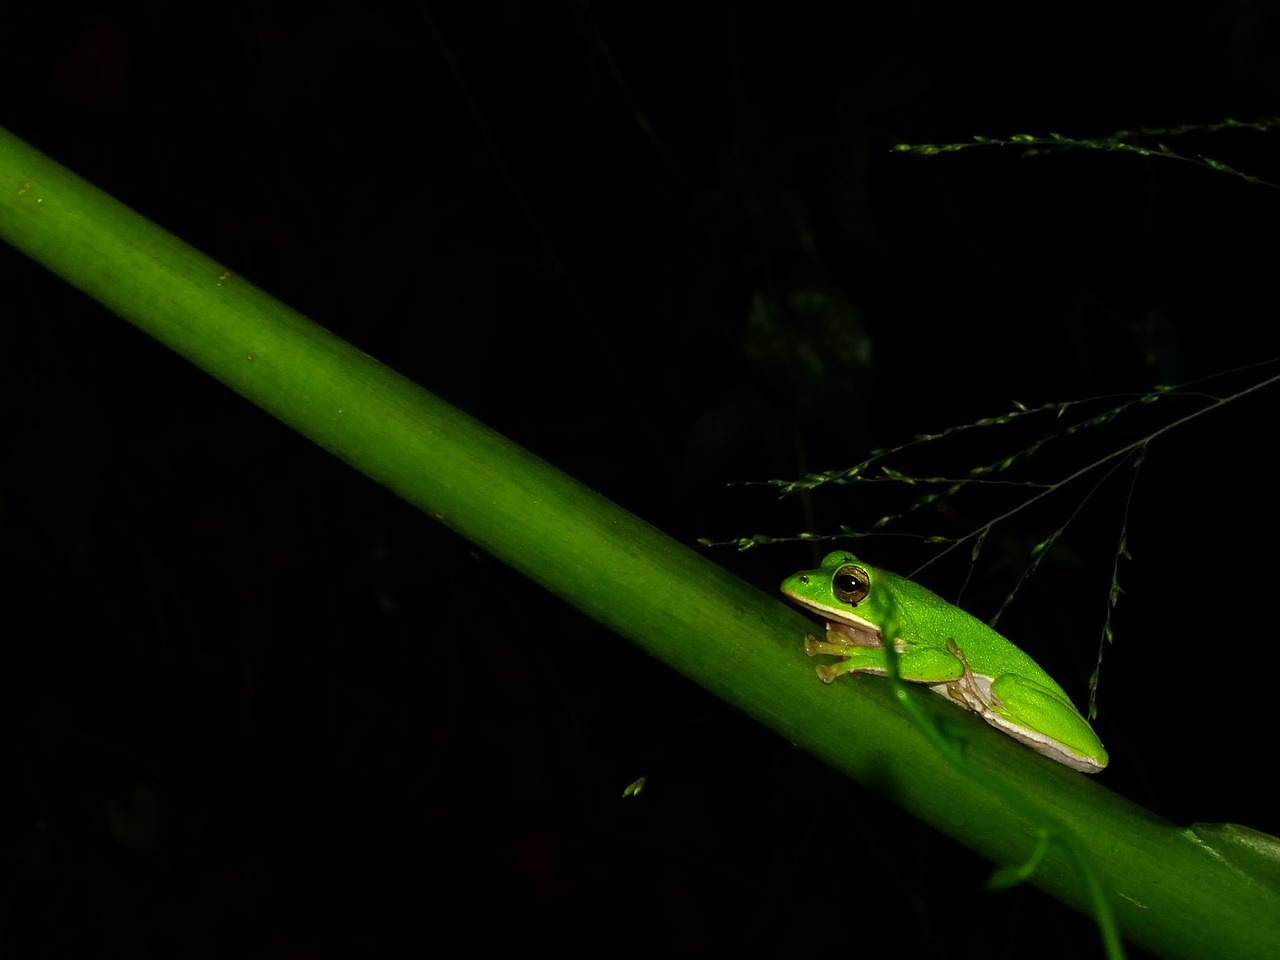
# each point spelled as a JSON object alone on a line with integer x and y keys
{"x": 1170, "y": 890}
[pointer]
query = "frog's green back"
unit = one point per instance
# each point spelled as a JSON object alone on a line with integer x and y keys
{"x": 923, "y": 616}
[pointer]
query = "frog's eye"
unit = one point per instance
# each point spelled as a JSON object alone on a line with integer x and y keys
{"x": 851, "y": 584}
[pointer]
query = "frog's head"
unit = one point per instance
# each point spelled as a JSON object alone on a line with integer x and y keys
{"x": 843, "y": 591}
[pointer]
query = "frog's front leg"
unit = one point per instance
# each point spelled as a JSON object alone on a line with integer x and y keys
{"x": 915, "y": 664}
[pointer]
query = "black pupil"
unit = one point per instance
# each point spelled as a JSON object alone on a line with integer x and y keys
{"x": 846, "y": 584}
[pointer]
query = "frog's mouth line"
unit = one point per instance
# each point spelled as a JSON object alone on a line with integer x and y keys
{"x": 853, "y": 634}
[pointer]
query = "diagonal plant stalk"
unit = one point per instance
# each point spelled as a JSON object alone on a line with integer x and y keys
{"x": 1180, "y": 893}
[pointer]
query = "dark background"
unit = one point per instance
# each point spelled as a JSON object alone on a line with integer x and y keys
{"x": 253, "y": 704}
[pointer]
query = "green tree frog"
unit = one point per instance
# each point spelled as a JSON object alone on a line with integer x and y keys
{"x": 957, "y": 655}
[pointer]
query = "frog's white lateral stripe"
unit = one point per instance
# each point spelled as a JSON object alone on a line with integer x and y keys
{"x": 973, "y": 692}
